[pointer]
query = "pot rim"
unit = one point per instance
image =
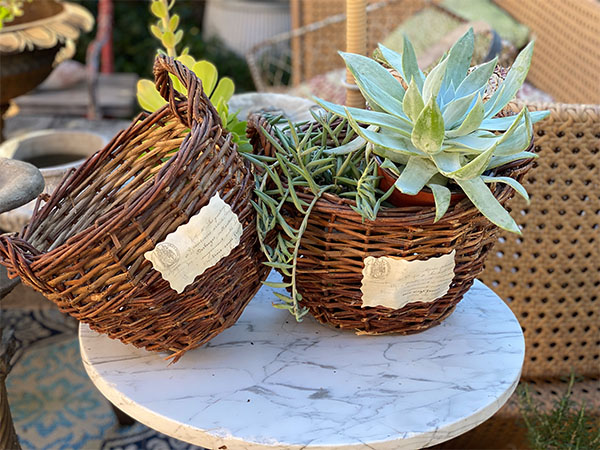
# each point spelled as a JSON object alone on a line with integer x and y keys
{"x": 10, "y": 147}
{"x": 506, "y": 166}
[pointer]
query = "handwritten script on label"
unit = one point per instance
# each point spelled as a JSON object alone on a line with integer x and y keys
{"x": 394, "y": 283}
{"x": 208, "y": 237}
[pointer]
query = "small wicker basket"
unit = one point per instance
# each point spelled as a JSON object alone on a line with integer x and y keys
{"x": 337, "y": 240}
{"x": 84, "y": 249}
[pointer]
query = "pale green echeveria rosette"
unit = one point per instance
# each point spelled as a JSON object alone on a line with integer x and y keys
{"x": 442, "y": 126}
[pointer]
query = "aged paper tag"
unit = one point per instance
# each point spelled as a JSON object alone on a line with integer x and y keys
{"x": 197, "y": 245}
{"x": 393, "y": 282}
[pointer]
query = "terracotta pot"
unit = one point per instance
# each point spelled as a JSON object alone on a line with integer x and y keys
{"x": 423, "y": 198}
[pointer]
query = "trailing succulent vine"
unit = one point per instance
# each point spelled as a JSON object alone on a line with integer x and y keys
{"x": 316, "y": 158}
{"x": 219, "y": 91}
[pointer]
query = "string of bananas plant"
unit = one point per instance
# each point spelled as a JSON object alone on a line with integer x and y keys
{"x": 317, "y": 158}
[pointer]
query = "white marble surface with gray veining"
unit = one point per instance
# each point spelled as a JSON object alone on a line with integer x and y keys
{"x": 271, "y": 383}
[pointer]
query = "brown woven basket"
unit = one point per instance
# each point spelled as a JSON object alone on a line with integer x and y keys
{"x": 337, "y": 240}
{"x": 84, "y": 249}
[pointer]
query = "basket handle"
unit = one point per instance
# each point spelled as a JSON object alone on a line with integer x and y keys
{"x": 17, "y": 255}
{"x": 198, "y": 104}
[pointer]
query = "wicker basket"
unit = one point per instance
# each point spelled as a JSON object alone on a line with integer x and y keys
{"x": 337, "y": 240}
{"x": 84, "y": 249}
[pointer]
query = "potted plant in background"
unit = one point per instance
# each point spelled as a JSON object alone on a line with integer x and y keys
{"x": 33, "y": 36}
{"x": 349, "y": 257}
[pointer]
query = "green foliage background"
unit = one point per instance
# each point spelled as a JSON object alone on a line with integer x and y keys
{"x": 134, "y": 47}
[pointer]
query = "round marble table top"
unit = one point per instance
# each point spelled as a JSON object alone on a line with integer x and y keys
{"x": 271, "y": 383}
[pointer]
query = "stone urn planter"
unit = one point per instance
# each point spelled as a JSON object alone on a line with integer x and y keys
{"x": 19, "y": 183}
{"x": 54, "y": 153}
{"x": 31, "y": 44}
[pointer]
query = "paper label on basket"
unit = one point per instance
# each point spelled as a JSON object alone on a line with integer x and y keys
{"x": 208, "y": 237}
{"x": 394, "y": 282}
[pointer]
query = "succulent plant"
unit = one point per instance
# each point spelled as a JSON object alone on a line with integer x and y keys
{"x": 441, "y": 128}
{"x": 218, "y": 90}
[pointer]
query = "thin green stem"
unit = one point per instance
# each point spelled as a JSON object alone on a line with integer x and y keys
{"x": 171, "y": 51}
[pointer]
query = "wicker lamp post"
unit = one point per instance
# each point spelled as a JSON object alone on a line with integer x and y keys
{"x": 356, "y": 42}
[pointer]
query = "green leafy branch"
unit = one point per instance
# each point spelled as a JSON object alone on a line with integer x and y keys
{"x": 10, "y": 9}
{"x": 219, "y": 91}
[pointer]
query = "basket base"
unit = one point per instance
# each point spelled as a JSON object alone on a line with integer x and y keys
{"x": 385, "y": 324}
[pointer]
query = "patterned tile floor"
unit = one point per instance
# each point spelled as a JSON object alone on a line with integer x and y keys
{"x": 53, "y": 402}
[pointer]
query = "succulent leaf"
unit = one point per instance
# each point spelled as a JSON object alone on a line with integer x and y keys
{"x": 433, "y": 82}
{"x": 442, "y": 196}
{"x": 428, "y": 132}
{"x": 475, "y": 167}
{"x": 447, "y": 162}
{"x": 477, "y": 79}
{"x": 223, "y": 92}
{"x": 513, "y": 82}
{"x": 472, "y": 122}
{"x": 397, "y": 62}
{"x": 208, "y": 73}
{"x": 472, "y": 143}
{"x": 397, "y": 124}
{"x": 498, "y": 161}
{"x": 352, "y": 146}
{"x": 148, "y": 96}
{"x": 449, "y": 94}
{"x": 397, "y": 157}
{"x": 369, "y": 73}
{"x": 459, "y": 59}
{"x": 456, "y": 109}
{"x": 415, "y": 175}
{"x": 503, "y": 123}
{"x": 487, "y": 204}
{"x": 159, "y": 9}
{"x": 410, "y": 67}
{"x": 397, "y": 143}
{"x": 518, "y": 187}
{"x": 413, "y": 102}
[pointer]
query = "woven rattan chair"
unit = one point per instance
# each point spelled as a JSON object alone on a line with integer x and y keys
{"x": 550, "y": 276}
{"x": 318, "y": 33}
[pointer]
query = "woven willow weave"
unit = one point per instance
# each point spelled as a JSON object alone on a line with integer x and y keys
{"x": 337, "y": 240}
{"x": 84, "y": 249}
